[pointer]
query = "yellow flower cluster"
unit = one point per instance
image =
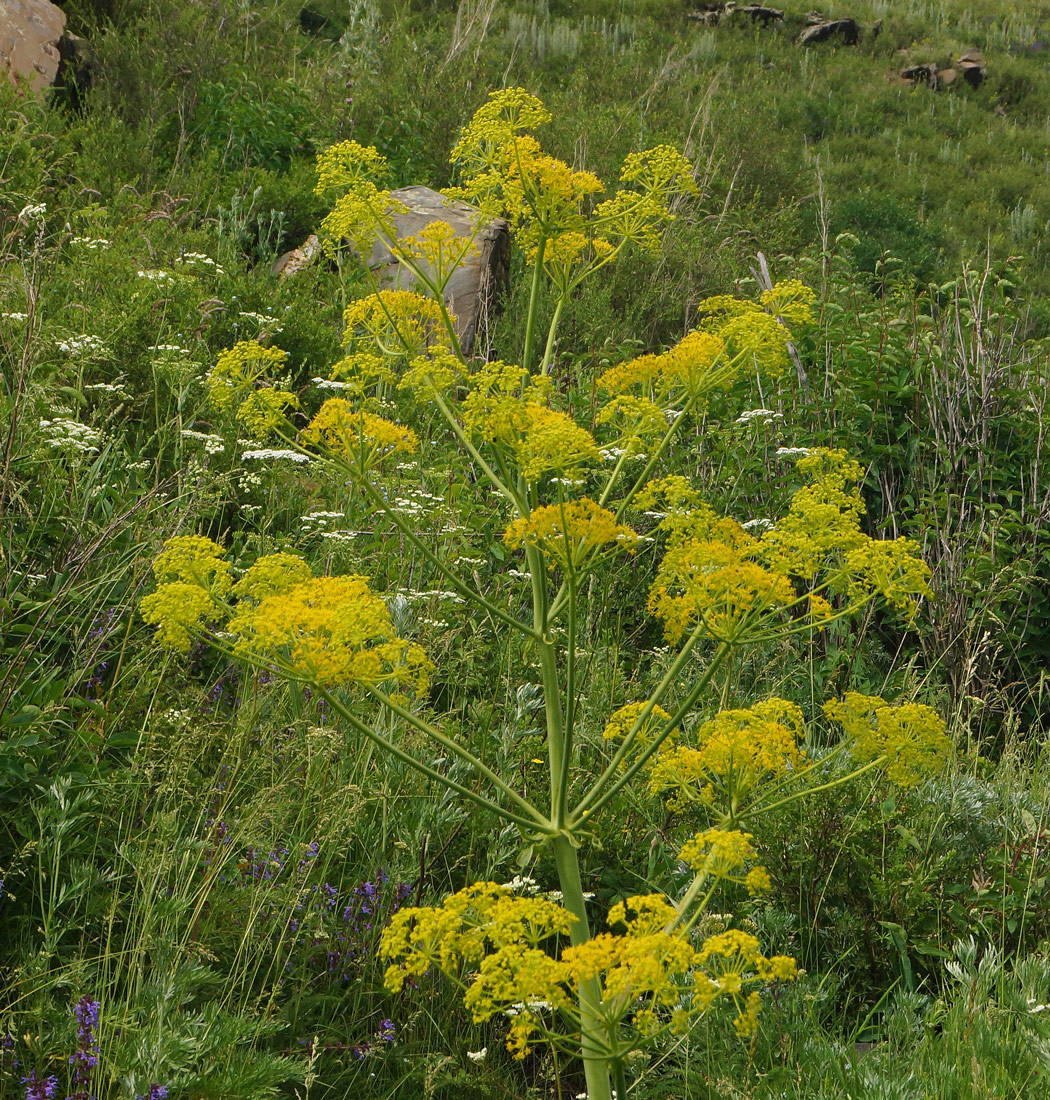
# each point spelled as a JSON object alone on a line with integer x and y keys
{"x": 790, "y": 300}
{"x": 716, "y": 576}
{"x": 722, "y": 854}
{"x": 696, "y": 365}
{"x": 551, "y": 442}
{"x": 637, "y": 419}
{"x": 332, "y": 631}
{"x": 272, "y": 575}
{"x": 908, "y": 738}
{"x": 624, "y": 720}
{"x": 358, "y": 436}
{"x": 735, "y": 335}
{"x": 361, "y": 372}
{"x": 437, "y": 250}
{"x": 507, "y": 406}
{"x": 821, "y": 533}
{"x": 733, "y": 752}
{"x": 193, "y": 580}
{"x": 507, "y": 173}
{"x": 571, "y": 533}
{"x": 650, "y": 972}
{"x": 395, "y": 324}
{"x": 430, "y": 375}
{"x": 755, "y": 333}
{"x": 715, "y": 584}
{"x": 238, "y": 385}
{"x": 362, "y": 213}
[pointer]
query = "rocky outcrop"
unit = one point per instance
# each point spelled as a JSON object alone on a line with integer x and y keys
{"x": 710, "y": 14}
{"x": 848, "y": 30}
{"x": 292, "y": 262}
{"x": 474, "y": 289}
{"x": 970, "y": 65}
{"x": 30, "y": 31}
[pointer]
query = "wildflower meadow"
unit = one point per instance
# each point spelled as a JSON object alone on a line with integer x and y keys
{"x": 642, "y": 696}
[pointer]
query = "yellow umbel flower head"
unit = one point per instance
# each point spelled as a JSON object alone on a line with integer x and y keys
{"x": 736, "y": 749}
{"x": 723, "y": 854}
{"x": 551, "y": 442}
{"x": 432, "y": 374}
{"x": 715, "y": 585}
{"x": 697, "y": 365}
{"x": 909, "y": 738}
{"x": 238, "y": 384}
{"x": 194, "y": 579}
{"x": 272, "y": 575}
{"x": 437, "y": 249}
{"x": 397, "y": 324}
{"x": 360, "y": 437}
{"x": 569, "y": 534}
{"x": 333, "y": 631}
{"x": 362, "y": 212}
{"x": 623, "y": 722}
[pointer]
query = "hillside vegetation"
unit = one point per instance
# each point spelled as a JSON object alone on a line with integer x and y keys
{"x": 312, "y": 625}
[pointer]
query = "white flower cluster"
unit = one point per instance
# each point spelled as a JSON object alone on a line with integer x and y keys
{"x": 213, "y": 444}
{"x": 767, "y": 416}
{"x": 264, "y": 320}
{"x": 761, "y": 524}
{"x": 614, "y": 454}
{"x": 70, "y": 435}
{"x": 168, "y": 349}
{"x": 199, "y": 259}
{"x": 84, "y": 344}
{"x": 435, "y": 593}
{"x": 14, "y": 316}
{"x": 275, "y": 453}
{"x": 33, "y": 212}
{"x": 114, "y": 388}
{"x": 156, "y": 276}
{"x": 92, "y": 244}
{"x": 792, "y": 452}
{"x": 329, "y": 384}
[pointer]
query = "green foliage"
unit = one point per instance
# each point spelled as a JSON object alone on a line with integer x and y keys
{"x": 117, "y": 769}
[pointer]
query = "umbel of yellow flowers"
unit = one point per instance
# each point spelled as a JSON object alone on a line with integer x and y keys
{"x": 574, "y": 495}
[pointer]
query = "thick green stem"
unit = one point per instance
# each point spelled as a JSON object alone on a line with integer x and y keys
{"x": 593, "y": 1047}
{"x": 534, "y": 295}
{"x": 545, "y": 363}
{"x": 557, "y": 749}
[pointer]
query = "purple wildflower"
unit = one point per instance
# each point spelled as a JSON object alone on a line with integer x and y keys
{"x": 37, "y": 1089}
{"x": 86, "y": 1055}
{"x": 156, "y": 1092}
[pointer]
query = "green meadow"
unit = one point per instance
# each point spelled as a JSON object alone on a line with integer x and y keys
{"x": 647, "y": 699}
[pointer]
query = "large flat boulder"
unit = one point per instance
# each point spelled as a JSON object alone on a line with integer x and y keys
{"x": 29, "y": 34}
{"x": 479, "y": 281}
{"x": 475, "y": 287}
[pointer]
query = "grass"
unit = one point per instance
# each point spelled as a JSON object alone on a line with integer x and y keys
{"x": 159, "y": 816}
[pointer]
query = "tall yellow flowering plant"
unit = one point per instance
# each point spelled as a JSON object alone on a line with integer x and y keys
{"x": 571, "y": 491}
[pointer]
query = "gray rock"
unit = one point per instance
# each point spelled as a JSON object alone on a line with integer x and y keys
{"x": 474, "y": 290}
{"x": 29, "y": 34}
{"x": 298, "y": 258}
{"x": 847, "y": 29}
{"x": 972, "y": 65}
